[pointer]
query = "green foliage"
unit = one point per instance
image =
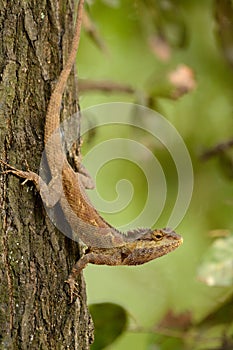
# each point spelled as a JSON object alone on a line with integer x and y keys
{"x": 196, "y": 34}
{"x": 109, "y": 321}
{"x": 216, "y": 269}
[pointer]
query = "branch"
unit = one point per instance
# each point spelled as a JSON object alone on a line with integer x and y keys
{"x": 216, "y": 150}
{"x": 104, "y": 85}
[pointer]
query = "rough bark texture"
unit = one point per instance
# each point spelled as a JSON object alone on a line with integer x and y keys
{"x": 35, "y": 312}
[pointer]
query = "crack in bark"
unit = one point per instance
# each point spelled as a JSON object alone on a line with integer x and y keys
{"x": 6, "y": 256}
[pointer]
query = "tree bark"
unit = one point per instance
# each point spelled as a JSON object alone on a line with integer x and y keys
{"x": 35, "y": 309}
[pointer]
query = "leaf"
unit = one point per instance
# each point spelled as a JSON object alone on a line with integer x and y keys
{"x": 217, "y": 266}
{"x": 182, "y": 321}
{"x": 166, "y": 343}
{"x": 223, "y": 314}
{"x": 169, "y": 330}
{"x": 110, "y": 321}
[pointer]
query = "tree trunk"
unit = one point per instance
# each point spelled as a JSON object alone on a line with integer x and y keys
{"x": 36, "y": 259}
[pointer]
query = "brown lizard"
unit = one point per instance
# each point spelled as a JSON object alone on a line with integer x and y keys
{"x": 105, "y": 244}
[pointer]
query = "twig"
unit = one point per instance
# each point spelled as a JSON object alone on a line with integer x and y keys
{"x": 107, "y": 86}
{"x": 219, "y": 148}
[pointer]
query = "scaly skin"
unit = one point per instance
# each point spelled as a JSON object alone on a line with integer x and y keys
{"x": 106, "y": 245}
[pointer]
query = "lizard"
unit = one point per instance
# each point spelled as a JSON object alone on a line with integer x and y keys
{"x": 105, "y": 244}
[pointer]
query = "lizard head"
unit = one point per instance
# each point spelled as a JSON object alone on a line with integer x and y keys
{"x": 151, "y": 245}
{"x": 161, "y": 235}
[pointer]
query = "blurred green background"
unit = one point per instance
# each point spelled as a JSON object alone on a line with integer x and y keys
{"x": 164, "y": 304}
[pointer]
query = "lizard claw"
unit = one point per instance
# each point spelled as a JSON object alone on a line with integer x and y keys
{"x": 12, "y": 170}
{"x": 73, "y": 288}
{"x": 26, "y": 175}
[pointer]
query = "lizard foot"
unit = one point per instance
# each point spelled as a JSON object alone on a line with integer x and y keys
{"x": 73, "y": 288}
{"x": 27, "y": 175}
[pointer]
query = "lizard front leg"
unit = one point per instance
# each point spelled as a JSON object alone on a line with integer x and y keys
{"x": 103, "y": 257}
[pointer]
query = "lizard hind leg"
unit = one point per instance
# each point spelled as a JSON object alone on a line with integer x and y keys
{"x": 27, "y": 175}
{"x": 49, "y": 194}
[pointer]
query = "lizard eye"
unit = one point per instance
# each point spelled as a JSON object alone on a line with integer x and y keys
{"x": 158, "y": 235}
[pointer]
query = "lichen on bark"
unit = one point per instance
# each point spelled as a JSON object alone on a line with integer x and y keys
{"x": 35, "y": 312}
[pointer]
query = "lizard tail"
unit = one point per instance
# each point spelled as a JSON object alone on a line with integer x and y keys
{"x": 52, "y": 121}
